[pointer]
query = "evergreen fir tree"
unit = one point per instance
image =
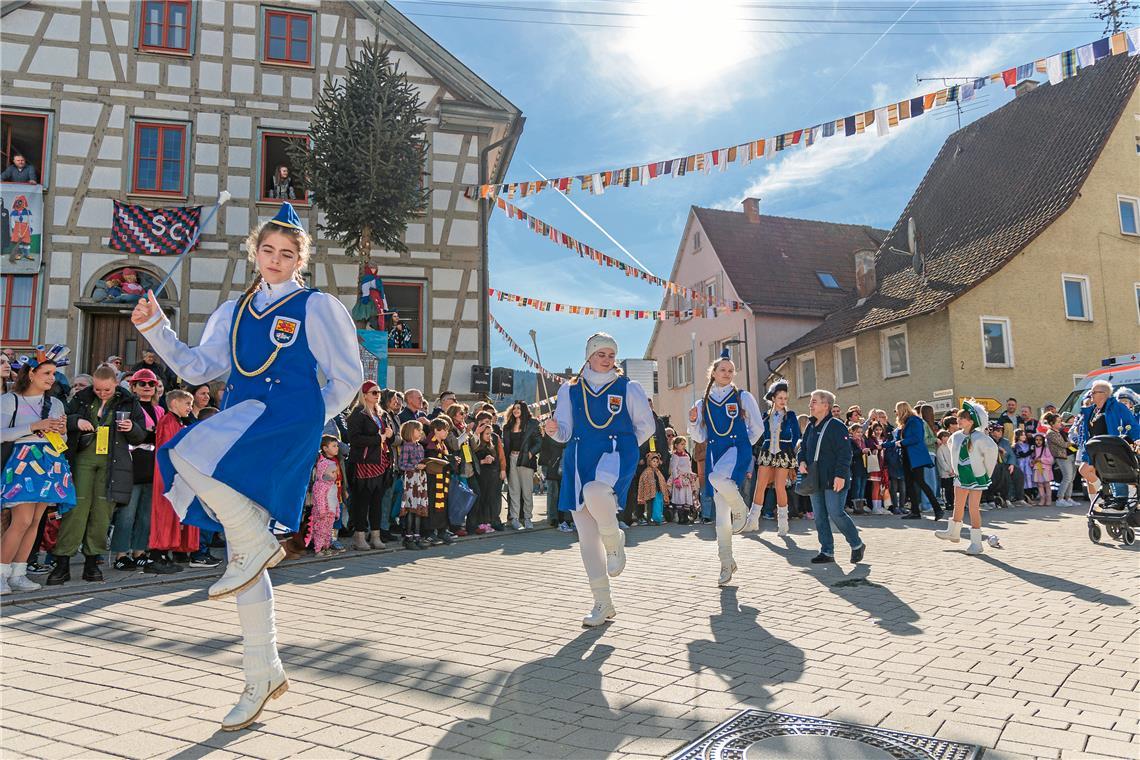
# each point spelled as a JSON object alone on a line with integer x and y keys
{"x": 366, "y": 155}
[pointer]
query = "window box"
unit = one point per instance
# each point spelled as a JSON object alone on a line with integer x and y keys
{"x": 895, "y": 351}
{"x": 846, "y": 364}
{"x": 1075, "y": 289}
{"x": 160, "y": 158}
{"x": 997, "y": 342}
{"x": 805, "y": 374}
{"x": 166, "y": 26}
{"x": 274, "y": 154}
{"x": 288, "y": 37}
{"x": 17, "y": 308}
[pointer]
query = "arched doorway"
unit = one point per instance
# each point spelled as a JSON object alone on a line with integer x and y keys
{"x": 107, "y": 305}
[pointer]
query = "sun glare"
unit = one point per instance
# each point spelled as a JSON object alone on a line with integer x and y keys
{"x": 683, "y": 45}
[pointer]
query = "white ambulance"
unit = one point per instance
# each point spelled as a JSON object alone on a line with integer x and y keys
{"x": 1118, "y": 370}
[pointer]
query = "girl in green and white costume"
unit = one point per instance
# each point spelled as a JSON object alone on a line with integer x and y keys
{"x": 975, "y": 456}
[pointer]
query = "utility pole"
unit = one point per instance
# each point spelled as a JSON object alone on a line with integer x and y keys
{"x": 1111, "y": 12}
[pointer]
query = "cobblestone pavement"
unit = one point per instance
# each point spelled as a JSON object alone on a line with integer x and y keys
{"x": 476, "y": 650}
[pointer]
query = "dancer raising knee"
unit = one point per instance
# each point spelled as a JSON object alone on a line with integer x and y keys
{"x": 975, "y": 456}
{"x": 716, "y": 419}
{"x": 251, "y": 461}
{"x": 602, "y": 417}
{"x": 777, "y": 460}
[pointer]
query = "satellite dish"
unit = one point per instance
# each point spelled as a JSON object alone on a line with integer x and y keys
{"x": 917, "y": 261}
{"x": 910, "y": 236}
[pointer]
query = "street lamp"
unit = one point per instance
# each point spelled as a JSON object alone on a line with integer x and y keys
{"x": 747, "y": 363}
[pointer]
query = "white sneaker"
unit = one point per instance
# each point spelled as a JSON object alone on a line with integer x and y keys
{"x": 602, "y": 613}
{"x": 879, "y": 510}
{"x": 4, "y": 587}
{"x": 244, "y": 567}
{"x": 726, "y": 572}
{"x": 615, "y": 555}
{"x": 781, "y": 521}
{"x": 21, "y": 583}
{"x": 253, "y": 700}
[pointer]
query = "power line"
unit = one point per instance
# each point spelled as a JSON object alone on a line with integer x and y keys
{"x": 806, "y": 30}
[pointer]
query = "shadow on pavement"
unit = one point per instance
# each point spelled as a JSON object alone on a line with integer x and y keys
{"x": 1048, "y": 582}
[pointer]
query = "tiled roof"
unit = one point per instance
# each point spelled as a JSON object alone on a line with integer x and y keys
{"x": 995, "y": 185}
{"x": 772, "y": 263}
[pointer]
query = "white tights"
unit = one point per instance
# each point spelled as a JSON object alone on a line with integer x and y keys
{"x": 725, "y": 494}
{"x": 211, "y": 491}
{"x": 596, "y": 521}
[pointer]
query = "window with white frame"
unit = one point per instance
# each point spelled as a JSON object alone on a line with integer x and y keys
{"x": 1076, "y": 291}
{"x": 846, "y": 364}
{"x": 734, "y": 351}
{"x": 805, "y": 373}
{"x": 1129, "y": 208}
{"x": 895, "y": 351}
{"x": 680, "y": 371}
{"x": 997, "y": 345}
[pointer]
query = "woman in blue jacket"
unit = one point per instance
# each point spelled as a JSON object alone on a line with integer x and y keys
{"x": 911, "y": 440}
{"x": 1104, "y": 416}
{"x": 827, "y": 445}
{"x": 777, "y": 458}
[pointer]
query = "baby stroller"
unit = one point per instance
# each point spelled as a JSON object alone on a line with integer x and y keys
{"x": 1115, "y": 462}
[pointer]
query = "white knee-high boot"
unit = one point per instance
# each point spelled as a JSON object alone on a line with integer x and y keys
{"x": 976, "y": 546}
{"x": 264, "y": 676}
{"x": 752, "y": 520}
{"x": 598, "y": 498}
{"x": 727, "y": 488}
{"x": 252, "y": 548}
{"x": 594, "y": 560}
{"x": 953, "y": 532}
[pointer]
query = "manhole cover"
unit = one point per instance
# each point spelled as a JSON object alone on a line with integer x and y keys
{"x": 763, "y": 735}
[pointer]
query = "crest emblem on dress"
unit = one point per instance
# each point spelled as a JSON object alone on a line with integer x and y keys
{"x": 284, "y": 331}
{"x": 732, "y": 410}
{"x": 613, "y": 402}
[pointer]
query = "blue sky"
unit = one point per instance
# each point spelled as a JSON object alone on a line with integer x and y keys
{"x": 688, "y": 76}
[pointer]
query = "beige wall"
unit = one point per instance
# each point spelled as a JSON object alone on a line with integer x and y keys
{"x": 1048, "y": 348}
{"x": 928, "y": 340}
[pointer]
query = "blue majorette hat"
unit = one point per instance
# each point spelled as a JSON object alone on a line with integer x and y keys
{"x": 725, "y": 353}
{"x": 287, "y": 217}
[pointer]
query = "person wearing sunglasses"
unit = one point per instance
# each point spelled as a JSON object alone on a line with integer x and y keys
{"x": 131, "y": 535}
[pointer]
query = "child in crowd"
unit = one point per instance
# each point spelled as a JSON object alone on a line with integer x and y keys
{"x": 858, "y": 469}
{"x": 1042, "y": 462}
{"x": 328, "y": 495}
{"x": 439, "y": 482}
{"x": 1023, "y": 450}
{"x": 167, "y": 533}
{"x": 876, "y": 468}
{"x": 492, "y": 472}
{"x": 944, "y": 460}
{"x": 896, "y": 475}
{"x": 683, "y": 482}
{"x": 414, "y": 507}
{"x": 651, "y": 489}
{"x": 804, "y": 502}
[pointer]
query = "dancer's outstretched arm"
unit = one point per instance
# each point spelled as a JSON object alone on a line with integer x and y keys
{"x": 207, "y": 361}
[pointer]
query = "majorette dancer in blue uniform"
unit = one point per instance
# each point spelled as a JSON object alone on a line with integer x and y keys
{"x": 251, "y": 462}
{"x": 602, "y": 417}
{"x": 729, "y": 420}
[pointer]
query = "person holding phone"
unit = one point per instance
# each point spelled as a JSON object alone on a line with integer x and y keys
{"x": 103, "y": 422}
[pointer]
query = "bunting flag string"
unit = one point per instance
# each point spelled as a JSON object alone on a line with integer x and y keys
{"x": 530, "y": 362}
{"x": 1057, "y": 68}
{"x": 660, "y": 315}
{"x": 585, "y": 251}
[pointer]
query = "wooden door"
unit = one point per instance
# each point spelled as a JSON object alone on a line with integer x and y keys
{"x": 109, "y": 334}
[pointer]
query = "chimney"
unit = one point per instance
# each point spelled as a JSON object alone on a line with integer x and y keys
{"x": 751, "y": 209}
{"x": 1024, "y": 86}
{"x": 865, "y": 277}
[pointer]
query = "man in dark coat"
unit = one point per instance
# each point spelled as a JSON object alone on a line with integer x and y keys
{"x": 827, "y": 447}
{"x": 103, "y": 422}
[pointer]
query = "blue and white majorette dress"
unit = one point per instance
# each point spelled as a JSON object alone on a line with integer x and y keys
{"x": 729, "y": 426}
{"x": 271, "y": 344}
{"x": 602, "y": 419}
